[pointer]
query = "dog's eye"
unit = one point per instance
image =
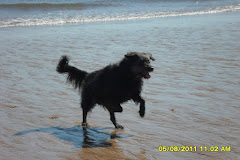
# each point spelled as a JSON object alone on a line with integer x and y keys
{"x": 146, "y": 61}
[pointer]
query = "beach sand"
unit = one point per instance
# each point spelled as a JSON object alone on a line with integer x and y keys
{"x": 192, "y": 99}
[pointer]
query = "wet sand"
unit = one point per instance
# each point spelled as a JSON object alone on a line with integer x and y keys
{"x": 192, "y": 98}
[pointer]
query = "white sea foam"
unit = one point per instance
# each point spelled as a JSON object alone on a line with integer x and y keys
{"x": 63, "y": 18}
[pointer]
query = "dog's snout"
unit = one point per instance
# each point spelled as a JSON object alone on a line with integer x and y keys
{"x": 150, "y": 69}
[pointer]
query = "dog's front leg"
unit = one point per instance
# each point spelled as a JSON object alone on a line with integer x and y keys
{"x": 140, "y": 100}
{"x": 117, "y": 108}
{"x": 113, "y": 119}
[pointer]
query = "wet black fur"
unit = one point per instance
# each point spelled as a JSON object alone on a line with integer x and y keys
{"x": 112, "y": 85}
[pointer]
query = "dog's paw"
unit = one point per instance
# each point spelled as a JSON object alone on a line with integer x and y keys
{"x": 142, "y": 113}
{"x": 118, "y": 126}
{"x": 84, "y": 125}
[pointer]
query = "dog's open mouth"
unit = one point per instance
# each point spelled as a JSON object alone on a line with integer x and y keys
{"x": 146, "y": 75}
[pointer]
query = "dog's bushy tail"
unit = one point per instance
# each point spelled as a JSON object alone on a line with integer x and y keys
{"x": 75, "y": 76}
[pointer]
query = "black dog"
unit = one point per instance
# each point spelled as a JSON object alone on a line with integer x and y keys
{"x": 112, "y": 85}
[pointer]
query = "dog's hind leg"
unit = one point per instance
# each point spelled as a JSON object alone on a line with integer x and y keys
{"x": 113, "y": 119}
{"x": 84, "y": 122}
{"x": 86, "y": 107}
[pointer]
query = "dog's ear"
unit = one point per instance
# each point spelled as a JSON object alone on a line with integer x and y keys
{"x": 151, "y": 57}
{"x": 132, "y": 55}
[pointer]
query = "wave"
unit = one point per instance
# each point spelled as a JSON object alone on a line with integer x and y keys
{"x": 52, "y": 5}
{"x": 40, "y": 21}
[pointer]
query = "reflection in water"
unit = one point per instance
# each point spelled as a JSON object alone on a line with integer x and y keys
{"x": 116, "y": 151}
{"x": 80, "y": 137}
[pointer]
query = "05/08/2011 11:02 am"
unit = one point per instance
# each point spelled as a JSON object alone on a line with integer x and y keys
{"x": 194, "y": 148}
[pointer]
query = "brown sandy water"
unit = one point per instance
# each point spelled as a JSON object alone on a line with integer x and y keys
{"x": 192, "y": 98}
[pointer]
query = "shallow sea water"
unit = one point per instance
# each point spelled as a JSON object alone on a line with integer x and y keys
{"x": 192, "y": 98}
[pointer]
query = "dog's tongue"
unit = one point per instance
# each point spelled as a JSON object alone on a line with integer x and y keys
{"x": 148, "y": 76}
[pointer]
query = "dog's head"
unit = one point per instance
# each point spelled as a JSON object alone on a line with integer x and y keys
{"x": 140, "y": 64}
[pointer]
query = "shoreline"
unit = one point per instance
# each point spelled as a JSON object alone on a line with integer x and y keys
{"x": 126, "y": 20}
